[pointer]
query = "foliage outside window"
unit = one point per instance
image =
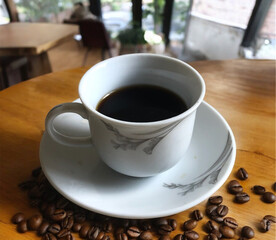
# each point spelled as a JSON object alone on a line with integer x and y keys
{"x": 43, "y": 10}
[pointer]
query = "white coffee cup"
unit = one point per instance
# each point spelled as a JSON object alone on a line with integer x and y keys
{"x": 139, "y": 149}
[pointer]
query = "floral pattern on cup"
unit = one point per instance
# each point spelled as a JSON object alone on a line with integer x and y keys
{"x": 212, "y": 172}
{"x": 128, "y": 143}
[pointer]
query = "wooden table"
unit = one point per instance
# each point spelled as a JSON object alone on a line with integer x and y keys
{"x": 34, "y": 40}
{"x": 243, "y": 91}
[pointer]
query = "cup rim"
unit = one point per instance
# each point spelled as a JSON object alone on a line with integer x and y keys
{"x": 153, "y": 123}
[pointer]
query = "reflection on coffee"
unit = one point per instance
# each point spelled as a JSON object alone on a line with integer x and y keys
{"x": 141, "y": 103}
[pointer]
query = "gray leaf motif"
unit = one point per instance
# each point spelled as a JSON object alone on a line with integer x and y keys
{"x": 127, "y": 143}
{"x": 212, "y": 172}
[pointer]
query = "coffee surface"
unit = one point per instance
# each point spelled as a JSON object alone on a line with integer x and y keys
{"x": 141, "y": 103}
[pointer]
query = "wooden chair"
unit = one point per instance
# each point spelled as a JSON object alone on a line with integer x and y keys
{"x": 94, "y": 35}
{"x": 13, "y": 70}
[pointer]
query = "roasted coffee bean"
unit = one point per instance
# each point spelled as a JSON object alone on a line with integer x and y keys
{"x": 161, "y": 221}
{"x": 133, "y": 232}
{"x": 189, "y": 224}
{"x": 234, "y": 187}
{"x": 242, "y": 197}
{"x": 164, "y": 229}
{"x": 68, "y": 237}
{"x": 50, "y": 196}
{"x": 121, "y": 236}
{"x": 146, "y": 235}
{"x": 18, "y": 217}
{"x": 34, "y": 203}
{"x": 270, "y": 218}
{"x": 119, "y": 230}
{"x": 63, "y": 233}
{"x": 41, "y": 179}
{"x": 243, "y": 238}
{"x": 93, "y": 233}
{"x": 84, "y": 230}
{"x": 211, "y": 210}
{"x": 27, "y": 185}
{"x": 106, "y": 237}
{"x": 222, "y": 210}
{"x": 269, "y": 197}
{"x": 67, "y": 222}
{"x": 191, "y": 235}
{"x": 36, "y": 172}
{"x": 76, "y": 227}
{"x": 101, "y": 236}
{"x": 247, "y": 232}
{"x": 177, "y": 237}
{"x": 62, "y": 203}
{"x": 36, "y": 192}
{"x": 133, "y": 222}
{"x": 43, "y": 228}
{"x": 50, "y": 209}
{"x": 54, "y": 228}
{"x": 197, "y": 215}
{"x": 80, "y": 217}
{"x": 58, "y": 215}
{"x": 230, "y": 222}
{"x": 215, "y": 200}
{"x": 34, "y": 222}
{"x": 69, "y": 213}
{"x": 242, "y": 174}
{"x": 43, "y": 206}
{"x": 49, "y": 236}
{"x": 217, "y": 218}
{"x": 274, "y": 187}
{"x": 226, "y": 231}
{"x": 212, "y": 236}
{"x": 257, "y": 189}
{"x": 211, "y": 225}
{"x": 145, "y": 225}
{"x": 265, "y": 225}
{"x": 124, "y": 223}
{"x": 217, "y": 233}
{"x": 107, "y": 226}
{"x": 172, "y": 222}
{"x": 164, "y": 237}
{"x": 22, "y": 226}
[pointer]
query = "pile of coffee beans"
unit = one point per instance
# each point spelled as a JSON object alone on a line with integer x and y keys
{"x": 58, "y": 218}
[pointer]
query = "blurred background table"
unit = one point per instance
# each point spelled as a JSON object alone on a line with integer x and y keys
{"x": 243, "y": 91}
{"x": 33, "y": 40}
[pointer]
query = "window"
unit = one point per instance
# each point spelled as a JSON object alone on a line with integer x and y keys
{"x": 45, "y": 10}
{"x": 4, "y": 15}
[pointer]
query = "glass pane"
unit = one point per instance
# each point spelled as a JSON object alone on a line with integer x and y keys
{"x": 45, "y": 10}
{"x": 230, "y": 12}
{"x": 152, "y": 15}
{"x": 117, "y": 15}
{"x": 4, "y": 15}
{"x": 266, "y": 42}
{"x": 179, "y": 17}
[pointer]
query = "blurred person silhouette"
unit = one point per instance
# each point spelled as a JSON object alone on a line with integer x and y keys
{"x": 81, "y": 12}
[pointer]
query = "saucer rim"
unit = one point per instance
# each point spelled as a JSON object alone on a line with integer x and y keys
{"x": 171, "y": 211}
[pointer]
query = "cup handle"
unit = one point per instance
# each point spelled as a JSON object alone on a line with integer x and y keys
{"x": 74, "y": 107}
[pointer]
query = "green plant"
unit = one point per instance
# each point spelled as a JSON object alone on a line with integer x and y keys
{"x": 132, "y": 36}
{"x": 35, "y": 10}
{"x": 155, "y": 8}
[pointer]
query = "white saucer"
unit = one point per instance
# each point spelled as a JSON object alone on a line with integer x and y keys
{"x": 79, "y": 174}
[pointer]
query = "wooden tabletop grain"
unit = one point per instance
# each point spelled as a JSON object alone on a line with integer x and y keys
{"x": 243, "y": 91}
{"x": 21, "y": 38}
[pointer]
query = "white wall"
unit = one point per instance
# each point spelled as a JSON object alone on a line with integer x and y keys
{"x": 208, "y": 39}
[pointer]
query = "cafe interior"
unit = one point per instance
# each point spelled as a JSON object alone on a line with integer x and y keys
{"x": 39, "y": 37}
{"x": 70, "y": 171}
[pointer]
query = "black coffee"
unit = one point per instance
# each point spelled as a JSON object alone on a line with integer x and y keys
{"x": 141, "y": 103}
